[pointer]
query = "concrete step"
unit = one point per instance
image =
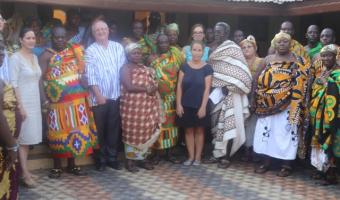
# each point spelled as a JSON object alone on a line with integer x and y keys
{"x": 40, "y": 158}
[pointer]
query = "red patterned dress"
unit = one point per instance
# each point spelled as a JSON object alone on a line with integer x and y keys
{"x": 71, "y": 128}
{"x": 141, "y": 115}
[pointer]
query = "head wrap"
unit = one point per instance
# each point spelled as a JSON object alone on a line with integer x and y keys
{"x": 173, "y": 27}
{"x": 280, "y": 36}
{"x": 250, "y": 39}
{"x": 130, "y": 47}
{"x": 330, "y": 48}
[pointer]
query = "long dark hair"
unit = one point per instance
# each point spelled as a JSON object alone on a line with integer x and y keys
{"x": 24, "y": 30}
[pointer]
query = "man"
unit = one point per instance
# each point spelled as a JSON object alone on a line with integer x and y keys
{"x": 210, "y": 36}
{"x": 313, "y": 46}
{"x": 71, "y": 129}
{"x": 139, "y": 36}
{"x": 327, "y": 37}
{"x": 104, "y": 58}
{"x": 295, "y": 46}
{"x": 232, "y": 82}
{"x": 238, "y": 36}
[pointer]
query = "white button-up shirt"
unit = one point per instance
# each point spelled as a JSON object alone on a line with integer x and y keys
{"x": 102, "y": 68}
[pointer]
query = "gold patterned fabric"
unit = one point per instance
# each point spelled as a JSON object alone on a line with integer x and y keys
{"x": 282, "y": 84}
{"x": 8, "y": 178}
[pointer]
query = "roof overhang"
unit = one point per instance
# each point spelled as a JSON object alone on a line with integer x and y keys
{"x": 203, "y": 6}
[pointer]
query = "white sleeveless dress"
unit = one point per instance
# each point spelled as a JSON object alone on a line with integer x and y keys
{"x": 25, "y": 78}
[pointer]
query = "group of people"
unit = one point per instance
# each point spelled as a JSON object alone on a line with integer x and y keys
{"x": 147, "y": 90}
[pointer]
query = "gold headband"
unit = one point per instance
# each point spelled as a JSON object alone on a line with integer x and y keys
{"x": 249, "y": 39}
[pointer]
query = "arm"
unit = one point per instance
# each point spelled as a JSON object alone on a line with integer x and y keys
{"x": 126, "y": 80}
{"x": 5, "y": 134}
{"x": 43, "y": 63}
{"x": 91, "y": 75}
{"x": 258, "y": 72}
{"x": 179, "y": 92}
{"x": 14, "y": 71}
{"x": 207, "y": 85}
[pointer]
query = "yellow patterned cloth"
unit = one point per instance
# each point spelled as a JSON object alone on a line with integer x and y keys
{"x": 282, "y": 84}
{"x": 8, "y": 178}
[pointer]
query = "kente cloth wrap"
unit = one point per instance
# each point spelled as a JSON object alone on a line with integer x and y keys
{"x": 230, "y": 71}
{"x": 314, "y": 51}
{"x": 167, "y": 66}
{"x": 8, "y": 178}
{"x": 71, "y": 128}
{"x": 140, "y": 112}
{"x": 325, "y": 113}
{"x": 282, "y": 84}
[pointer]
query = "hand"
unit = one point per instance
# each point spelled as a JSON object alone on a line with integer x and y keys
{"x": 100, "y": 99}
{"x": 151, "y": 58}
{"x": 11, "y": 159}
{"x": 179, "y": 110}
{"x": 225, "y": 91}
{"x": 202, "y": 112}
{"x": 151, "y": 90}
{"x": 22, "y": 113}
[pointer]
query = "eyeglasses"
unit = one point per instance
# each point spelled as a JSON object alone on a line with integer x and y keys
{"x": 198, "y": 33}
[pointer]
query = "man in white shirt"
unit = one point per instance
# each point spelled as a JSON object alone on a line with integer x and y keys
{"x": 104, "y": 58}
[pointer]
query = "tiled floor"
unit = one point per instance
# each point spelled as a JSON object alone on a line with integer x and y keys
{"x": 169, "y": 181}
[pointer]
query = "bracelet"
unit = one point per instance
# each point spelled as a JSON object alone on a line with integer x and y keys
{"x": 13, "y": 148}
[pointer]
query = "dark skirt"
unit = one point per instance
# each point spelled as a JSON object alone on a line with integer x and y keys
{"x": 190, "y": 119}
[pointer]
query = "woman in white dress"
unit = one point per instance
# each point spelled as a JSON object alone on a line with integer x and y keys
{"x": 280, "y": 92}
{"x": 25, "y": 76}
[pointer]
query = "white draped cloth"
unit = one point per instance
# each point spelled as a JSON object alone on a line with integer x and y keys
{"x": 228, "y": 115}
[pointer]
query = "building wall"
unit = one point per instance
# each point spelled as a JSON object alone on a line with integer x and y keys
{"x": 262, "y": 27}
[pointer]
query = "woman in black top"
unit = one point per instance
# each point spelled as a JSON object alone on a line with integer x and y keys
{"x": 193, "y": 87}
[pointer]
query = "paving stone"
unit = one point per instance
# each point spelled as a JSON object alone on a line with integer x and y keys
{"x": 169, "y": 181}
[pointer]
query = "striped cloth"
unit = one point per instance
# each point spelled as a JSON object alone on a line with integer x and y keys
{"x": 102, "y": 68}
{"x": 4, "y": 69}
{"x": 230, "y": 71}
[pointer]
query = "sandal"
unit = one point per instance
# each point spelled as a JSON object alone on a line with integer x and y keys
{"x": 76, "y": 171}
{"x": 55, "y": 173}
{"x": 146, "y": 165}
{"x": 285, "y": 171}
{"x": 173, "y": 160}
{"x": 262, "y": 169}
{"x": 28, "y": 182}
{"x": 317, "y": 175}
{"x": 210, "y": 160}
{"x": 223, "y": 164}
{"x": 131, "y": 167}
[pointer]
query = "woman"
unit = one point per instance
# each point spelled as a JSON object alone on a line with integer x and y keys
{"x": 280, "y": 92}
{"x": 25, "y": 76}
{"x": 249, "y": 49}
{"x": 172, "y": 31}
{"x": 197, "y": 34}
{"x": 324, "y": 112}
{"x": 193, "y": 87}
{"x": 166, "y": 64}
{"x": 8, "y": 143}
{"x": 139, "y": 91}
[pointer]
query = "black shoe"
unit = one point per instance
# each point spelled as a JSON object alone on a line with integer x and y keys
{"x": 100, "y": 167}
{"x": 114, "y": 165}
